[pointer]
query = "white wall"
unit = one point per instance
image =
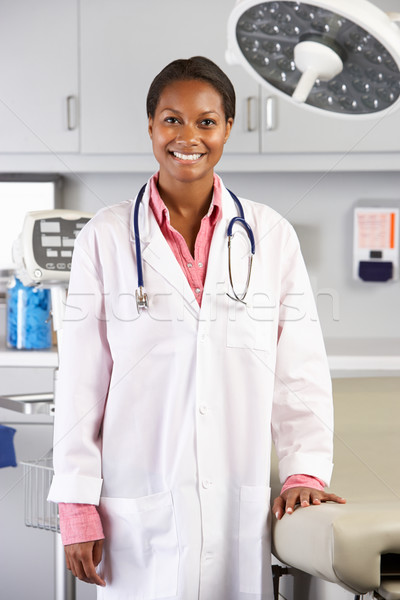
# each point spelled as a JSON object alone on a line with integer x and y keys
{"x": 320, "y": 206}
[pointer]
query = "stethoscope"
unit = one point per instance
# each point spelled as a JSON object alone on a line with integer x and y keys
{"x": 141, "y": 296}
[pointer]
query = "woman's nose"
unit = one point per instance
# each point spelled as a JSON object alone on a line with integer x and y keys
{"x": 187, "y": 134}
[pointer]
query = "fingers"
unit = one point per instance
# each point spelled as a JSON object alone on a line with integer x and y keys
{"x": 278, "y": 507}
{"x": 320, "y": 496}
{"x": 295, "y": 496}
{"x": 286, "y": 502}
{"x": 97, "y": 552}
{"x": 334, "y": 498}
{"x": 82, "y": 559}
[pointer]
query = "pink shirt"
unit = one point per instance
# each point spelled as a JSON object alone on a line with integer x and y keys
{"x": 194, "y": 267}
{"x": 81, "y": 522}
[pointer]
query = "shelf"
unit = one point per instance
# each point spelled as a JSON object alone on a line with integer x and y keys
{"x": 29, "y": 404}
{"x": 11, "y": 357}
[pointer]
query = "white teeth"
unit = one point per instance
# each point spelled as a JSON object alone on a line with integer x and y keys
{"x": 186, "y": 156}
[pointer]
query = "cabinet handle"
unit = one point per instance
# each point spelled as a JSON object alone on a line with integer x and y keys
{"x": 251, "y": 102}
{"x": 71, "y": 113}
{"x": 270, "y": 113}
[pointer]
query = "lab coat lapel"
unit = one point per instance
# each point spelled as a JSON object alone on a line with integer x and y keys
{"x": 158, "y": 255}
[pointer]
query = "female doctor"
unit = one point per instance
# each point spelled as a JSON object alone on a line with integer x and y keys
{"x": 167, "y": 403}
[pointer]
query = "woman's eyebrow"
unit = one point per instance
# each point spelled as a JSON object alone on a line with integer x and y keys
{"x": 171, "y": 110}
{"x": 178, "y": 112}
{"x": 209, "y": 112}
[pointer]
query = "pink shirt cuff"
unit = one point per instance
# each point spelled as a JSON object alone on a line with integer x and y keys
{"x": 303, "y": 481}
{"x": 79, "y": 523}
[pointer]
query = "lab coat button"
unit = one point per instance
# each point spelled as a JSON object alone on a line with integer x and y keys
{"x": 207, "y": 483}
{"x": 203, "y": 409}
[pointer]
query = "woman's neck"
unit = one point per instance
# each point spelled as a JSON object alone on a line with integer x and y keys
{"x": 187, "y": 203}
{"x": 188, "y": 199}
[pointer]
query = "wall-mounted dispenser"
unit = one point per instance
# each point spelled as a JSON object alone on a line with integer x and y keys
{"x": 376, "y": 244}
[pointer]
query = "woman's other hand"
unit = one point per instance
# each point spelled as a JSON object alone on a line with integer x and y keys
{"x": 82, "y": 560}
{"x": 304, "y": 496}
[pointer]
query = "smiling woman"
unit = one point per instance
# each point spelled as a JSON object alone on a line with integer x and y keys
{"x": 188, "y": 132}
{"x": 189, "y": 125}
{"x": 165, "y": 420}
{"x": 191, "y": 107}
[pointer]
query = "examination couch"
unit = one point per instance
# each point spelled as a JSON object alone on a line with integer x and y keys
{"x": 356, "y": 545}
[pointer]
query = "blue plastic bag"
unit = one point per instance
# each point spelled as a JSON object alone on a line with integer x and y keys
{"x": 7, "y": 451}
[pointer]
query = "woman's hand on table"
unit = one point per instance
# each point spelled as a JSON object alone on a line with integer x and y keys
{"x": 303, "y": 496}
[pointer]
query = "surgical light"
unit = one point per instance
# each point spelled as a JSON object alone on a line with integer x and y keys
{"x": 341, "y": 56}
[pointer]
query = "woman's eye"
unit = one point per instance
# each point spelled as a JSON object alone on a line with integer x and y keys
{"x": 171, "y": 120}
{"x": 208, "y": 122}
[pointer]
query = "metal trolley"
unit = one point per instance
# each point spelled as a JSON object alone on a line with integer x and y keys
{"x": 41, "y": 514}
{"x": 37, "y": 476}
{"x": 37, "y": 479}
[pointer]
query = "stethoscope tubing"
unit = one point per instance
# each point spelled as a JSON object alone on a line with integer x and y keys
{"x": 137, "y": 237}
{"x": 141, "y": 296}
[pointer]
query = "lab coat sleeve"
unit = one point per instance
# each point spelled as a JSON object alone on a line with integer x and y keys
{"x": 302, "y": 414}
{"x": 84, "y": 377}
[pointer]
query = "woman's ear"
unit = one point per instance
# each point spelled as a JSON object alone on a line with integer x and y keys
{"x": 150, "y": 127}
{"x": 229, "y": 125}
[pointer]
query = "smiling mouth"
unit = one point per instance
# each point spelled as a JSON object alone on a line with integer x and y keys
{"x": 188, "y": 157}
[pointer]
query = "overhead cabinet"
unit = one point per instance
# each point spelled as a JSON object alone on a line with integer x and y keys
{"x": 39, "y": 76}
{"x": 124, "y": 44}
{"x": 289, "y": 128}
{"x": 75, "y": 75}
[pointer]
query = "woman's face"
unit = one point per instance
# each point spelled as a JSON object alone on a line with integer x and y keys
{"x": 188, "y": 131}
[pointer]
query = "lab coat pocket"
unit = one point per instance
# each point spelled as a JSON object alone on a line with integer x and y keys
{"x": 246, "y": 328}
{"x": 141, "y": 558}
{"x": 254, "y": 540}
{"x": 249, "y": 323}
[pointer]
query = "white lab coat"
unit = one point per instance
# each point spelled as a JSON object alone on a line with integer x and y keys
{"x": 165, "y": 418}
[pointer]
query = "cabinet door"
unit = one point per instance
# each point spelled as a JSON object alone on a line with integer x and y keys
{"x": 124, "y": 44}
{"x": 39, "y": 76}
{"x": 298, "y": 129}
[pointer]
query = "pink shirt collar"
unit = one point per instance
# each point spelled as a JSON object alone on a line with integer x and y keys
{"x": 161, "y": 212}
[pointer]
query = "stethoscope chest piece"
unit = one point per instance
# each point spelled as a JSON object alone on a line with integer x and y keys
{"x": 142, "y": 301}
